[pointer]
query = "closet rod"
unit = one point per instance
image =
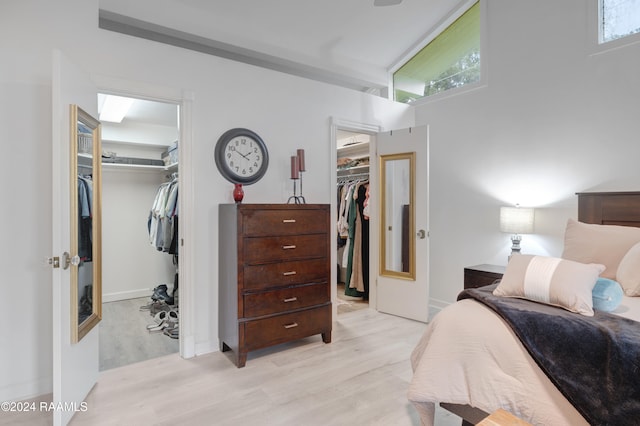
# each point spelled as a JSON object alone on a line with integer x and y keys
{"x": 355, "y": 176}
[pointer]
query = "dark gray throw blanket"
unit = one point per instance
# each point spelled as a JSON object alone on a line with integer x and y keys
{"x": 593, "y": 361}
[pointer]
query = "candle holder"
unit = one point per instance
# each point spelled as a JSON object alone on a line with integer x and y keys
{"x": 295, "y": 198}
{"x": 297, "y": 167}
{"x": 301, "y": 197}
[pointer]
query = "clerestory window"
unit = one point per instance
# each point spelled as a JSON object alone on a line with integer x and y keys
{"x": 450, "y": 60}
{"x": 618, "y": 19}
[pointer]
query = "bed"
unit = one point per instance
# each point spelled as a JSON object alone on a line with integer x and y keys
{"x": 476, "y": 355}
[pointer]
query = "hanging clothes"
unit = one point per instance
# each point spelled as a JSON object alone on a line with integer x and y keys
{"x": 85, "y": 203}
{"x": 357, "y": 246}
{"x": 162, "y": 222}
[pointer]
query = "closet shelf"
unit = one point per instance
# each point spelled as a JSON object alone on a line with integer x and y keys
{"x": 115, "y": 166}
{"x": 353, "y": 170}
{"x": 360, "y": 149}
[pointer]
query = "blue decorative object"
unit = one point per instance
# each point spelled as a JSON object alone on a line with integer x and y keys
{"x": 606, "y": 294}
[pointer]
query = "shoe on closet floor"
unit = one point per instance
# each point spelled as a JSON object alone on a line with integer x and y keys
{"x": 174, "y": 333}
{"x": 156, "y": 295}
{"x": 160, "y": 294}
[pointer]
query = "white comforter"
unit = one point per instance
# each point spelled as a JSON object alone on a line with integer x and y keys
{"x": 468, "y": 355}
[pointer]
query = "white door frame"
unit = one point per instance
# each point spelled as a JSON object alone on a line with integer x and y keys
{"x": 372, "y": 130}
{"x": 184, "y": 99}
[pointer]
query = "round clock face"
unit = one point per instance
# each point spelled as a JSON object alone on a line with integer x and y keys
{"x": 241, "y": 156}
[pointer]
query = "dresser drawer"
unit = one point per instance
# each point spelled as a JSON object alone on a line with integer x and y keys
{"x": 287, "y": 299}
{"x": 284, "y": 222}
{"x": 291, "y": 247}
{"x": 267, "y": 275}
{"x": 283, "y": 328}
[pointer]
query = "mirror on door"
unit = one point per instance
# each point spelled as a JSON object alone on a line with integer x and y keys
{"x": 397, "y": 215}
{"x": 86, "y": 229}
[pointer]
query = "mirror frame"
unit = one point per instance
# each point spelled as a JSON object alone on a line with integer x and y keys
{"x": 411, "y": 274}
{"x": 77, "y": 115}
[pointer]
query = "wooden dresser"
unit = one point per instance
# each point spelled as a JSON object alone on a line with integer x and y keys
{"x": 274, "y": 274}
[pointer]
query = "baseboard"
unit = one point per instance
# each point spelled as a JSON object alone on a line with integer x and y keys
{"x": 124, "y": 295}
{"x": 205, "y": 348}
{"x": 26, "y": 390}
{"x": 436, "y": 306}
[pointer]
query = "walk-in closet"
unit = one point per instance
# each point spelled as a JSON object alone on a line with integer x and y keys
{"x": 140, "y": 180}
{"x": 352, "y": 227}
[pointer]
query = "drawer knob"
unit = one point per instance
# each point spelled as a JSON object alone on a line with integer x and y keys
{"x": 288, "y": 247}
{"x": 288, "y": 221}
{"x": 295, "y": 324}
{"x": 286, "y": 274}
{"x": 291, "y": 299}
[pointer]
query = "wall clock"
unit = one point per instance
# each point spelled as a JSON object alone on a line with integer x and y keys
{"x": 241, "y": 156}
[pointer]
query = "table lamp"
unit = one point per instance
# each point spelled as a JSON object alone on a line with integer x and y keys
{"x": 516, "y": 221}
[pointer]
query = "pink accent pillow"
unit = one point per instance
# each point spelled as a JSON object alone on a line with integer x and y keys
{"x": 628, "y": 274}
{"x": 603, "y": 244}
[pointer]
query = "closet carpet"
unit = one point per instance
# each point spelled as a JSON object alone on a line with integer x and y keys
{"x": 124, "y": 338}
{"x": 361, "y": 378}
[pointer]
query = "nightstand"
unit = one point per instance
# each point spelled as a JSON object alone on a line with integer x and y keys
{"x": 481, "y": 275}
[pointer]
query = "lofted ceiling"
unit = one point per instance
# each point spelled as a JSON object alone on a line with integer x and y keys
{"x": 351, "y": 43}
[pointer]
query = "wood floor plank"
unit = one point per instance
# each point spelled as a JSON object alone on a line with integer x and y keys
{"x": 360, "y": 378}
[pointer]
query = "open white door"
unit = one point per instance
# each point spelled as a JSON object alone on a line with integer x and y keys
{"x": 75, "y": 365}
{"x": 398, "y": 296}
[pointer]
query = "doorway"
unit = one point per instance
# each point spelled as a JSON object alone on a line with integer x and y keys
{"x": 402, "y": 296}
{"x": 352, "y": 225}
{"x": 140, "y": 233}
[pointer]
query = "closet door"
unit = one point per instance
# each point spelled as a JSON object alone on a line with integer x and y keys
{"x": 400, "y": 292}
{"x": 75, "y": 365}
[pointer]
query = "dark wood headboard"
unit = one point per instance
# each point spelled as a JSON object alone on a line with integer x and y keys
{"x": 609, "y": 208}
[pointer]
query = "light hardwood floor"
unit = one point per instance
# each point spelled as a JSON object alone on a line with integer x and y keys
{"x": 361, "y": 378}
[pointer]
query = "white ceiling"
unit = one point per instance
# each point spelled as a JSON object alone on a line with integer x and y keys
{"x": 345, "y": 42}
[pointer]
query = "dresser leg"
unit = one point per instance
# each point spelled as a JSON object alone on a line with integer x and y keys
{"x": 326, "y": 337}
{"x": 242, "y": 359}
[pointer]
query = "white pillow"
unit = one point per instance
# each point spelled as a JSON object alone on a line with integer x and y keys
{"x": 628, "y": 274}
{"x": 604, "y": 244}
{"x": 551, "y": 280}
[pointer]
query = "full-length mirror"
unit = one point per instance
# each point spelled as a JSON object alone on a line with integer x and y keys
{"x": 397, "y": 215}
{"x": 86, "y": 224}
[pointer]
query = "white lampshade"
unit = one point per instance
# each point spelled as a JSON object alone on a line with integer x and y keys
{"x": 516, "y": 220}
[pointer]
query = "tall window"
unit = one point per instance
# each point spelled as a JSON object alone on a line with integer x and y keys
{"x": 618, "y": 18}
{"x": 450, "y": 60}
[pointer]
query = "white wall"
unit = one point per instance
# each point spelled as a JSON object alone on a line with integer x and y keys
{"x": 554, "y": 120}
{"x": 288, "y": 113}
{"x": 131, "y": 266}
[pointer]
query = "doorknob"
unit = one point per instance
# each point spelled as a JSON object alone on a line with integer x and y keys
{"x": 66, "y": 260}
{"x": 422, "y": 234}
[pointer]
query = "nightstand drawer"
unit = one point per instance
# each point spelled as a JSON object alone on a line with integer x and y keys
{"x": 287, "y": 299}
{"x": 481, "y": 275}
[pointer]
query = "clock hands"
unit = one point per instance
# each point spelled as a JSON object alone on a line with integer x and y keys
{"x": 243, "y": 155}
